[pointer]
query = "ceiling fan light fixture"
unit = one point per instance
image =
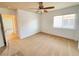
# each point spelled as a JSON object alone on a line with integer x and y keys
{"x": 42, "y": 9}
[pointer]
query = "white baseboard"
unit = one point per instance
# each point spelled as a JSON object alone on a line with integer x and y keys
{"x": 78, "y": 44}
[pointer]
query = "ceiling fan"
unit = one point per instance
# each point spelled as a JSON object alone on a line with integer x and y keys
{"x": 42, "y": 9}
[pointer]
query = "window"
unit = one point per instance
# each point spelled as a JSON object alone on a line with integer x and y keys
{"x": 64, "y": 21}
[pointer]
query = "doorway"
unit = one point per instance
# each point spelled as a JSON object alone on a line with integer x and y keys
{"x": 9, "y": 23}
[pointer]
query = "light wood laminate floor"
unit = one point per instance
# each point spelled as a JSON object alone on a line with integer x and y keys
{"x": 40, "y": 44}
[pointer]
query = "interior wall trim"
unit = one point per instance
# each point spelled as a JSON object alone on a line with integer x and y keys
{"x": 57, "y": 36}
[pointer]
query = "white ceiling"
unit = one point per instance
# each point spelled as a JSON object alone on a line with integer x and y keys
{"x": 31, "y": 5}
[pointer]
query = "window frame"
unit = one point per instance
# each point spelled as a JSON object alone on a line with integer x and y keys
{"x": 62, "y": 27}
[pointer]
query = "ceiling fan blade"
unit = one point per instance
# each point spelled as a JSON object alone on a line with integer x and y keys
{"x": 41, "y": 5}
{"x": 45, "y": 11}
{"x": 48, "y": 7}
{"x": 39, "y": 12}
{"x": 34, "y": 8}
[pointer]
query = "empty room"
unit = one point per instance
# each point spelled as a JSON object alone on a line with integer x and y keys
{"x": 39, "y": 28}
